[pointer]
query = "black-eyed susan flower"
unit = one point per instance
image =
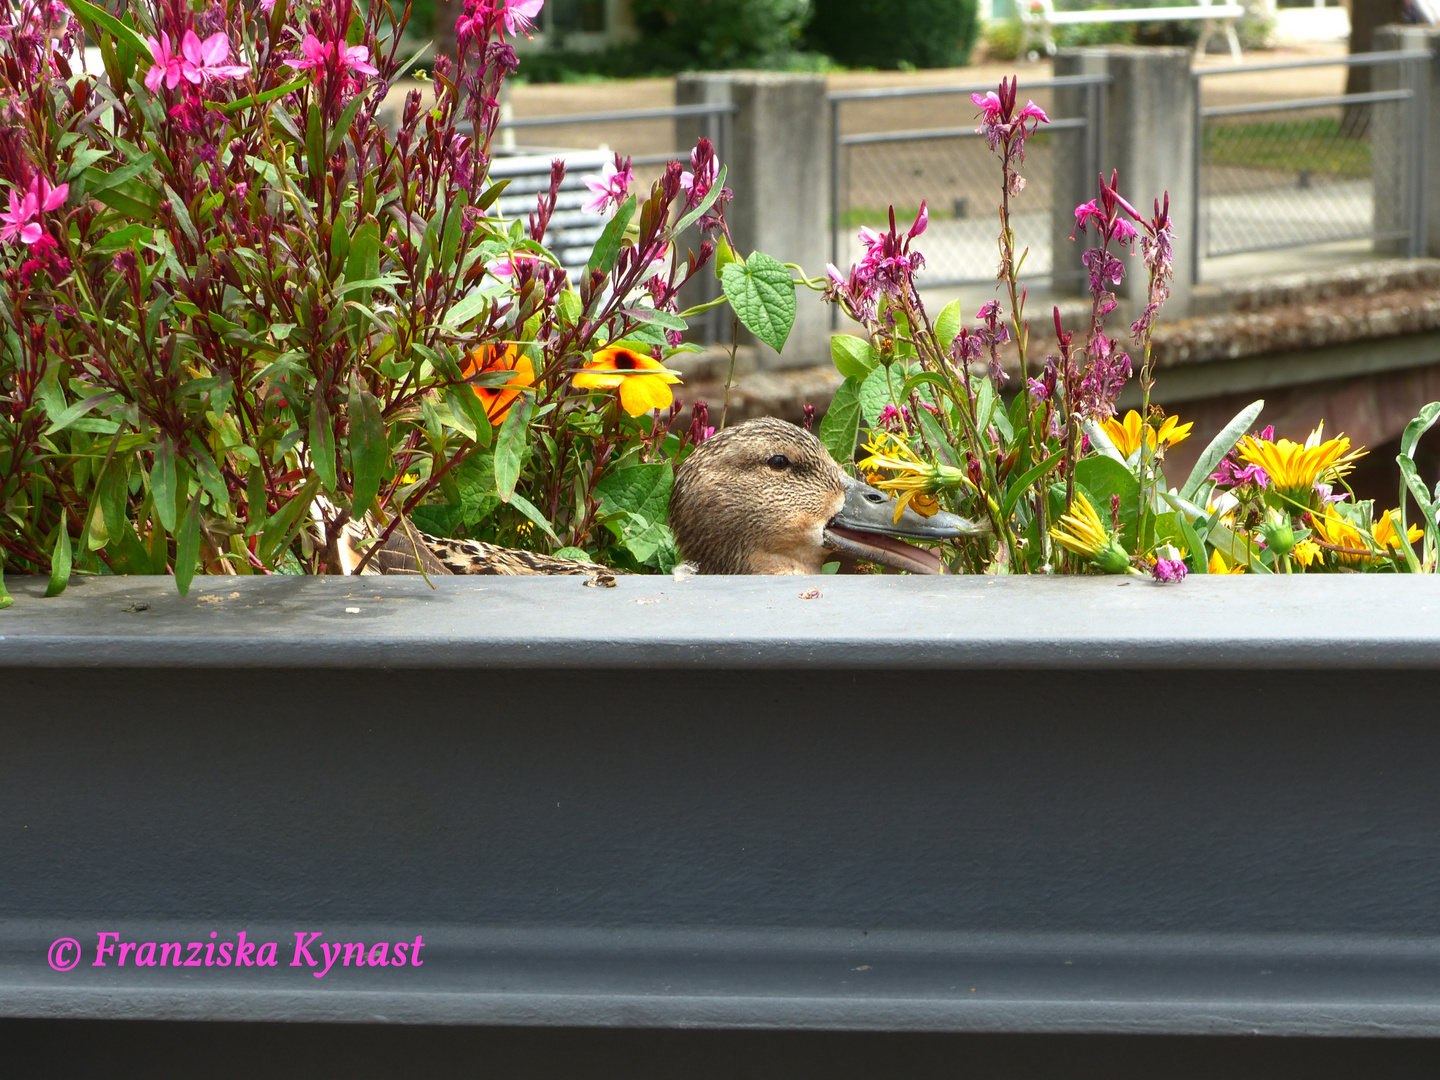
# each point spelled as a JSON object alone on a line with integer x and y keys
{"x": 644, "y": 383}
{"x": 1126, "y": 434}
{"x": 1295, "y": 469}
{"x": 1082, "y": 532}
{"x": 916, "y": 482}
{"x": 491, "y": 359}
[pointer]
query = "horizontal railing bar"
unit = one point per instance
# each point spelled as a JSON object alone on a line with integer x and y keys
{"x": 1055, "y": 83}
{"x": 921, "y": 134}
{"x": 925, "y": 284}
{"x": 1307, "y": 103}
{"x": 1357, "y": 60}
{"x": 670, "y": 113}
{"x": 1288, "y": 245}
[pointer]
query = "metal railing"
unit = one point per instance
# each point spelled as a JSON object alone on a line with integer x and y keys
{"x": 873, "y": 170}
{"x": 1327, "y": 168}
{"x": 717, "y": 129}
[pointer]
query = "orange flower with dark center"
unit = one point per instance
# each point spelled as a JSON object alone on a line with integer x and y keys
{"x": 643, "y": 382}
{"x": 489, "y": 359}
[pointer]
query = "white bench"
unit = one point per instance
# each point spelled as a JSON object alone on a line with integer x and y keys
{"x": 1038, "y": 18}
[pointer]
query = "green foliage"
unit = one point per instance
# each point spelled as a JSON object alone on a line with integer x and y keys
{"x": 722, "y": 33}
{"x": 894, "y": 33}
{"x": 255, "y": 314}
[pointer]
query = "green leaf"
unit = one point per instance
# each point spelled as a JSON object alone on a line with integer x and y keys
{"x": 79, "y": 409}
{"x": 526, "y": 507}
{"x": 638, "y": 489}
{"x": 840, "y": 427}
{"x": 510, "y": 446}
{"x": 762, "y": 295}
{"x": 282, "y": 525}
{"x": 854, "y": 357}
{"x": 704, "y": 205}
{"x": 578, "y": 554}
{"x": 364, "y": 260}
{"x": 230, "y": 108}
{"x": 187, "y": 547}
{"x": 1104, "y": 478}
{"x": 1411, "y": 476}
{"x": 985, "y": 399}
{"x": 1022, "y": 484}
{"x": 369, "y": 451}
{"x": 1193, "y": 542}
{"x": 5, "y": 598}
{"x": 875, "y": 395}
{"x": 607, "y": 248}
{"x": 469, "y": 412}
{"x": 60, "y": 562}
{"x": 936, "y": 435}
{"x": 133, "y": 198}
{"x": 1219, "y": 446}
{"x": 1417, "y": 427}
{"x": 947, "y": 325}
{"x": 126, "y": 237}
{"x": 322, "y": 443}
{"x": 342, "y": 125}
{"x": 162, "y": 484}
{"x": 89, "y": 13}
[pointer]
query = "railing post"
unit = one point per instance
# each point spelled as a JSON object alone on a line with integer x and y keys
{"x": 779, "y": 170}
{"x": 1149, "y": 134}
{"x": 1422, "y": 134}
{"x": 1079, "y": 155}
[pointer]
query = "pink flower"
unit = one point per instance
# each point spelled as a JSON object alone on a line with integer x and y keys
{"x": 922, "y": 220}
{"x": 168, "y": 68}
{"x": 610, "y": 187}
{"x": 267, "y": 6}
{"x": 198, "y": 62}
{"x": 22, "y": 222}
{"x": 519, "y": 14}
{"x": 1169, "y": 570}
{"x": 1033, "y": 112}
{"x": 206, "y": 60}
{"x": 324, "y": 54}
{"x": 989, "y": 102}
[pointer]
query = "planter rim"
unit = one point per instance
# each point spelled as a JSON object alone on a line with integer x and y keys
{"x": 1298, "y": 622}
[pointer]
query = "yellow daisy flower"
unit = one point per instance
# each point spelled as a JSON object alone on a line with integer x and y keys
{"x": 1307, "y": 553}
{"x": 1295, "y": 469}
{"x": 1220, "y": 565}
{"x": 1082, "y": 532}
{"x": 913, "y": 479}
{"x": 1336, "y": 531}
{"x": 1126, "y": 434}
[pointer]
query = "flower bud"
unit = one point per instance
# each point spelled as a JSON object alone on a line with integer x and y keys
{"x": 1278, "y": 533}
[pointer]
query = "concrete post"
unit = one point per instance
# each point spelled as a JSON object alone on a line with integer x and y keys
{"x": 777, "y": 152}
{"x": 1391, "y": 138}
{"x": 1149, "y": 136}
{"x": 1076, "y": 165}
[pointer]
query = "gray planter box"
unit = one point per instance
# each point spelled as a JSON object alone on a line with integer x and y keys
{"x": 955, "y": 804}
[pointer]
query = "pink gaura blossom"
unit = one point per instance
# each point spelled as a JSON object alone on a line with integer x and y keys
{"x": 610, "y": 187}
{"x": 519, "y": 16}
{"x": 22, "y": 221}
{"x": 317, "y": 54}
{"x": 198, "y": 62}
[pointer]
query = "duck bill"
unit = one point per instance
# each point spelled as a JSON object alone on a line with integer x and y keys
{"x": 867, "y": 529}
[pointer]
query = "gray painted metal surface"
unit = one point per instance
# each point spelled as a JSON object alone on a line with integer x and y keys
{"x": 913, "y": 804}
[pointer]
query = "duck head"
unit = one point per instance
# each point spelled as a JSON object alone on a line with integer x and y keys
{"x": 765, "y": 497}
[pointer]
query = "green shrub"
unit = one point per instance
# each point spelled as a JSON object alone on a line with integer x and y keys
{"x": 721, "y": 33}
{"x": 895, "y": 33}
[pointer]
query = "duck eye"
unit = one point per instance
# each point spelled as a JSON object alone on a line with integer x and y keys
{"x": 874, "y": 497}
{"x": 778, "y": 462}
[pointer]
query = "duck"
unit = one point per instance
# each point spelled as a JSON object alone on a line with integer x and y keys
{"x": 761, "y": 497}
{"x": 766, "y": 497}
